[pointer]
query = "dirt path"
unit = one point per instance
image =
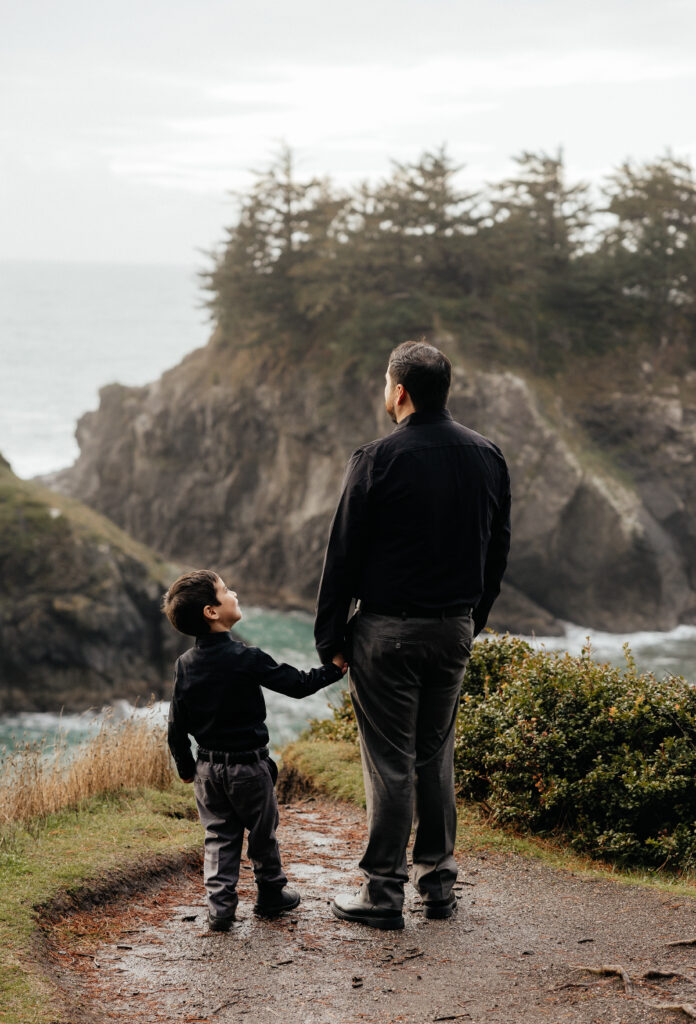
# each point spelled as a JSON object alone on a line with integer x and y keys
{"x": 509, "y": 955}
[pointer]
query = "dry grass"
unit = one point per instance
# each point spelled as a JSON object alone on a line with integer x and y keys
{"x": 126, "y": 755}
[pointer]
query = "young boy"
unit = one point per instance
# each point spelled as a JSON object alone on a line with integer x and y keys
{"x": 217, "y": 699}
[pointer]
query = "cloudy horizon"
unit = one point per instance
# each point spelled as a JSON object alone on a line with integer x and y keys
{"x": 124, "y": 129}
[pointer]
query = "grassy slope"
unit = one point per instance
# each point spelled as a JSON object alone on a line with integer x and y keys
{"x": 26, "y": 519}
{"x": 67, "y": 852}
{"x": 333, "y": 769}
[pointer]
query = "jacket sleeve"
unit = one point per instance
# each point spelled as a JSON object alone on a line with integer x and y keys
{"x": 282, "y": 678}
{"x": 496, "y": 555}
{"x": 177, "y": 734}
{"x": 342, "y": 562}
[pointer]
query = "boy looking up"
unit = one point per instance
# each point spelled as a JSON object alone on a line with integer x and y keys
{"x": 217, "y": 699}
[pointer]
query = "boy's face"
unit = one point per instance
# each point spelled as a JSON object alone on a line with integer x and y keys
{"x": 226, "y": 613}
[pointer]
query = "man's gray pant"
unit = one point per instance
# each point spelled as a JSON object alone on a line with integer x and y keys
{"x": 231, "y": 798}
{"x": 405, "y": 682}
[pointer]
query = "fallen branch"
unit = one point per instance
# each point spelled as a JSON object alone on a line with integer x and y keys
{"x": 686, "y": 1008}
{"x": 656, "y": 974}
{"x": 683, "y": 942}
{"x": 619, "y": 971}
{"x": 611, "y": 969}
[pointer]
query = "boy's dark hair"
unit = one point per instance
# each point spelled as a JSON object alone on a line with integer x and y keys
{"x": 185, "y": 600}
{"x": 424, "y": 371}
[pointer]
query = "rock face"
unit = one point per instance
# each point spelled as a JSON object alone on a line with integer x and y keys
{"x": 220, "y": 463}
{"x": 80, "y": 622}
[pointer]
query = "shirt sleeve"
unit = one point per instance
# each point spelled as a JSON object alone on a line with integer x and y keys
{"x": 496, "y": 555}
{"x": 177, "y": 734}
{"x": 287, "y": 679}
{"x": 342, "y": 562}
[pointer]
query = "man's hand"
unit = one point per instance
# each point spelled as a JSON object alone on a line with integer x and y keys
{"x": 339, "y": 660}
{"x": 187, "y": 780}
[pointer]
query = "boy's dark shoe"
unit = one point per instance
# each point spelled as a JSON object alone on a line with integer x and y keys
{"x": 272, "y": 900}
{"x": 440, "y": 909}
{"x": 359, "y": 908}
{"x": 220, "y": 924}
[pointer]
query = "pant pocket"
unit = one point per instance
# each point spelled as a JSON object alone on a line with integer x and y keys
{"x": 273, "y": 769}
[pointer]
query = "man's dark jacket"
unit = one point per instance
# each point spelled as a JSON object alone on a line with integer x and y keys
{"x": 423, "y": 522}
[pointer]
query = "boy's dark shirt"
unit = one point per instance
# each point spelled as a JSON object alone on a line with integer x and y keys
{"x": 217, "y": 696}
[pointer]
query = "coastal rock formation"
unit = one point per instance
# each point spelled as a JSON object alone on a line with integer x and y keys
{"x": 80, "y": 622}
{"x": 233, "y": 464}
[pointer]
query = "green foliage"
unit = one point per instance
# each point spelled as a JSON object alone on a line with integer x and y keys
{"x": 310, "y": 270}
{"x": 557, "y": 743}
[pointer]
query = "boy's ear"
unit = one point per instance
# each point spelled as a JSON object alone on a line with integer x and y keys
{"x": 210, "y": 611}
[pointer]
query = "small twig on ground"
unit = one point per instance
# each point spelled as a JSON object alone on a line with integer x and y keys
{"x": 683, "y": 942}
{"x": 409, "y": 956}
{"x": 614, "y": 969}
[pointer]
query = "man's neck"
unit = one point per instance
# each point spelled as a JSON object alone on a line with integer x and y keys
{"x": 402, "y": 411}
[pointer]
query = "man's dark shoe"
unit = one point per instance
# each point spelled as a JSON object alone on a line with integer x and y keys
{"x": 220, "y": 924}
{"x": 360, "y": 908}
{"x": 440, "y": 909}
{"x": 273, "y": 900}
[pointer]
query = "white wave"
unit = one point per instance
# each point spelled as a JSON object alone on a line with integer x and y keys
{"x": 672, "y": 651}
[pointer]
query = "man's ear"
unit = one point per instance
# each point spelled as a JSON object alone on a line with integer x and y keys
{"x": 401, "y": 394}
{"x": 211, "y": 612}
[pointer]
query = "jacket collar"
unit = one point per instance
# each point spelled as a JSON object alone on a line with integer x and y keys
{"x": 416, "y": 419}
{"x": 210, "y": 639}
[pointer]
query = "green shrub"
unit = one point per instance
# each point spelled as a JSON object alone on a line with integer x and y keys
{"x": 557, "y": 743}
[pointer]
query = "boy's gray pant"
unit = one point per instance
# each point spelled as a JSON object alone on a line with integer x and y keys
{"x": 405, "y": 681}
{"x": 231, "y": 798}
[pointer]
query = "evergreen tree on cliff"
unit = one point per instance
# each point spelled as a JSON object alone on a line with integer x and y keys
{"x": 652, "y": 251}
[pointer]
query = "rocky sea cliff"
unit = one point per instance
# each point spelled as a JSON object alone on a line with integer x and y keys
{"x": 233, "y": 462}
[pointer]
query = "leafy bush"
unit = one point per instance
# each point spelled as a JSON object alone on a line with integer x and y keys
{"x": 553, "y": 742}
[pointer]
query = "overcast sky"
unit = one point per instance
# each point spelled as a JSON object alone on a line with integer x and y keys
{"x": 123, "y": 126}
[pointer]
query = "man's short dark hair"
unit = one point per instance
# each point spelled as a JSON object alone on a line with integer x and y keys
{"x": 424, "y": 371}
{"x": 185, "y": 600}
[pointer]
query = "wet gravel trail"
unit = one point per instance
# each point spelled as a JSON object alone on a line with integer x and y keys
{"x": 509, "y": 956}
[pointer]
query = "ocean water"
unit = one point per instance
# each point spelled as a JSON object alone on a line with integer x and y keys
{"x": 65, "y": 331}
{"x": 287, "y": 636}
{"x": 68, "y": 329}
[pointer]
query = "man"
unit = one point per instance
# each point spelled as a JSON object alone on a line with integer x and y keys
{"x": 420, "y": 537}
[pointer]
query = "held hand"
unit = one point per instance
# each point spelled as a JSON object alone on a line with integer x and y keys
{"x": 339, "y": 660}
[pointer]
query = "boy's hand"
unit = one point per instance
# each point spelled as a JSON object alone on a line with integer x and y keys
{"x": 339, "y": 660}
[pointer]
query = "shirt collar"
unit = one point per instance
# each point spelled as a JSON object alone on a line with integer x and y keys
{"x": 418, "y": 418}
{"x": 209, "y": 639}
